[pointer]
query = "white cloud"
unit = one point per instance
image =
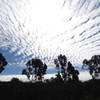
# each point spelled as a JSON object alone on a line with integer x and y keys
{"x": 84, "y": 76}
{"x": 45, "y": 28}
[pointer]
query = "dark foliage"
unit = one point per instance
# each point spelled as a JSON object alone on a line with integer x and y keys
{"x": 15, "y": 80}
{"x": 66, "y": 71}
{"x": 3, "y": 63}
{"x": 66, "y": 85}
{"x": 93, "y": 65}
{"x": 35, "y": 67}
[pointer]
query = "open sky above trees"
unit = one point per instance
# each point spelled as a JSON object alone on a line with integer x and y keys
{"x": 46, "y": 28}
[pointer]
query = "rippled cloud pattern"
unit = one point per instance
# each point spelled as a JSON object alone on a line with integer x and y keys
{"x": 45, "y": 28}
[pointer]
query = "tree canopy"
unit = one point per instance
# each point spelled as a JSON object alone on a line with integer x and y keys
{"x": 35, "y": 67}
{"x": 93, "y": 65}
{"x": 66, "y": 71}
{"x": 3, "y": 63}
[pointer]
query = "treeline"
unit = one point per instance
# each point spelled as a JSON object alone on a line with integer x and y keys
{"x": 65, "y": 70}
{"x": 65, "y": 86}
{"x": 36, "y": 69}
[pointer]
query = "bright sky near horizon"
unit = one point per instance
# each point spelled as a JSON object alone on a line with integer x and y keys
{"x": 46, "y": 28}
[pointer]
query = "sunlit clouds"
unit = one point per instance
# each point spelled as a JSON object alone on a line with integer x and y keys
{"x": 46, "y": 28}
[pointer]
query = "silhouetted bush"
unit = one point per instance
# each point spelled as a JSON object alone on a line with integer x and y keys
{"x": 15, "y": 80}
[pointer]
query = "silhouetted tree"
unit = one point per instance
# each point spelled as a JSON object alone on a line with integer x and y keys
{"x": 3, "y": 63}
{"x": 75, "y": 75}
{"x": 24, "y": 72}
{"x": 37, "y": 68}
{"x": 93, "y": 65}
{"x": 72, "y": 73}
{"x": 65, "y": 69}
{"x": 60, "y": 63}
{"x": 58, "y": 77}
{"x": 70, "y": 70}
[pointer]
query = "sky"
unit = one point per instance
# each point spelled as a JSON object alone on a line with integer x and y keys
{"x": 46, "y": 28}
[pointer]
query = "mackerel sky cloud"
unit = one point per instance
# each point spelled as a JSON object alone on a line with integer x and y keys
{"x": 46, "y": 28}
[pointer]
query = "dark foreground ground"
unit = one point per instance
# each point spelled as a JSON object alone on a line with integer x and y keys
{"x": 16, "y": 90}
